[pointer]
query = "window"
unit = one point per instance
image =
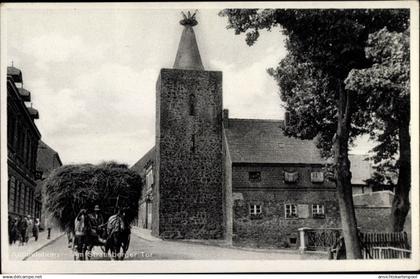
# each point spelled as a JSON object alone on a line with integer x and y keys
{"x": 254, "y": 176}
{"x": 19, "y": 198}
{"x": 25, "y": 198}
{"x": 317, "y": 177}
{"x": 192, "y": 143}
{"x": 10, "y": 128}
{"x": 291, "y": 177}
{"x": 290, "y": 211}
{"x": 255, "y": 209}
{"x": 293, "y": 240}
{"x": 191, "y": 104}
{"x": 149, "y": 178}
{"x": 318, "y": 211}
{"x": 17, "y": 193}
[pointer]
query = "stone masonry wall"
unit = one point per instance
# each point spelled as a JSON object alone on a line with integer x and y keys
{"x": 189, "y": 155}
{"x": 373, "y": 219}
{"x": 271, "y": 228}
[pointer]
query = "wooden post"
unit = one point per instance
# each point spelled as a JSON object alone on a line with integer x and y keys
{"x": 303, "y": 239}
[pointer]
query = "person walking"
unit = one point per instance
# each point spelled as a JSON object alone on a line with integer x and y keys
{"x": 35, "y": 229}
{"x": 48, "y": 228}
{"x": 15, "y": 230}
{"x": 81, "y": 227}
{"x": 23, "y": 228}
{"x": 9, "y": 228}
{"x": 30, "y": 225}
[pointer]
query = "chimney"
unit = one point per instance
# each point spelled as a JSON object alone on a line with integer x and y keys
{"x": 226, "y": 118}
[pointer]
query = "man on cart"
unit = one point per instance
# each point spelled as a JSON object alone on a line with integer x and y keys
{"x": 96, "y": 230}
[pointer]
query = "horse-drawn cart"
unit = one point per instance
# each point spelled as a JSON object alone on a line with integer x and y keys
{"x": 112, "y": 237}
{"x": 111, "y": 186}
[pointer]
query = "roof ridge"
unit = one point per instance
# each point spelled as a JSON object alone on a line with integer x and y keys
{"x": 47, "y": 146}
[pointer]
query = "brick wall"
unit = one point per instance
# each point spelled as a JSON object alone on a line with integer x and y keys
{"x": 189, "y": 159}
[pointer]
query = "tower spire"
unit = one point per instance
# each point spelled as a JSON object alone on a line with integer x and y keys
{"x": 188, "y": 56}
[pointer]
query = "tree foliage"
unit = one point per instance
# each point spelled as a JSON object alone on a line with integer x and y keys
{"x": 325, "y": 44}
{"x": 332, "y": 39}
{"x": 309, "y": 100}
{"x": 385, "y": 88}
{"x": 73, "y": 187}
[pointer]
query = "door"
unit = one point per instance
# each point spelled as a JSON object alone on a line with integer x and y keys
{"x": 149, "y": 215}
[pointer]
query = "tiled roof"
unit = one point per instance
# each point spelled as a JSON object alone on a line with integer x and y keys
{"x": 148, "y": 157}
{"x": 263, "y": 141}
{"x": 47, "y": 158}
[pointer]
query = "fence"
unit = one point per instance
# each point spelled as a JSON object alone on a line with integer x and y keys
{"x": 318, "y": 239}
{"x": 375, "y": 245}
{"x": 385, "y": 245}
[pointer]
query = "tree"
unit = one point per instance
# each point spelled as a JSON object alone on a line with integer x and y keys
{"x": 385, "y": 86}
{"x": 110, "y": 185}
{"x": 333, "y": 42}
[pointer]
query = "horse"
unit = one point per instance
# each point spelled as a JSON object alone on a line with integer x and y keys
{"x": 118, "y": 238}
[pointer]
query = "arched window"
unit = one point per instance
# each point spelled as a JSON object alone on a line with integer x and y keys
{"x": 193, "y": 143}
{"x": 191, "y": 103}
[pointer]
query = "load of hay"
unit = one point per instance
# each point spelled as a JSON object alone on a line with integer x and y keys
{"x": 109, "y": 185}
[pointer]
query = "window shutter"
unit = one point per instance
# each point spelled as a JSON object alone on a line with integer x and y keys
{"x": 317, "y": 177}
{"x": 303, "y": 210}
{"x": 291, "y": 176}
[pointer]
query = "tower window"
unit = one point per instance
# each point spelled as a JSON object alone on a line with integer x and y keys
{"x": 254, "y": 176}
{"x": 193, "y": 143}
{"x": 192, "y": 104}
{"x": 317, "y": 177}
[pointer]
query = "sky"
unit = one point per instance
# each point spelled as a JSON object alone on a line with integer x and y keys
{"x": 92, "y": 74}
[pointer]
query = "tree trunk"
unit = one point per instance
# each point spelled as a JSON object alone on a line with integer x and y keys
{"x": 401, "y": 202}
{"x": 343, "y": 176}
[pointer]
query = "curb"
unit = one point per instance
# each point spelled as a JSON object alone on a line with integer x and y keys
{"x": 43, "y": 246}
{"x": 139, "y": 235}
{"x": 229, "y": 246}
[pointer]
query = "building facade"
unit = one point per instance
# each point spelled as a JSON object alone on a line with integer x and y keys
{"x": 242, "y": 181}
{"x": 47, "y": 161}
{"x": 22, "y": 146}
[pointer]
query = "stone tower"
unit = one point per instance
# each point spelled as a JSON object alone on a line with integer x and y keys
{"x": 189, "y": 193}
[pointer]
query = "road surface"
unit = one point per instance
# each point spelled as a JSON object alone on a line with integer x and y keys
{"x": 141, "y": 249}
